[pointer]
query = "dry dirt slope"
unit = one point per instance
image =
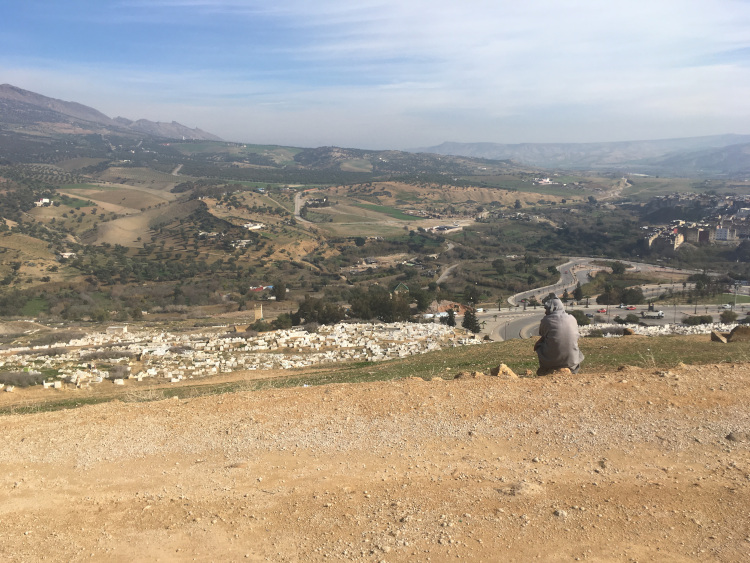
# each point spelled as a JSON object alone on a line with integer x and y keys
{"x": 633, "y": 465}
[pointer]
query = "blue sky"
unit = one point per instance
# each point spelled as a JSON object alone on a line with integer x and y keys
{"x": 393, "y": 73}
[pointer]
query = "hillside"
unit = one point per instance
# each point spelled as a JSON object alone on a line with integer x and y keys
{"x": 637, "y": 464}
{"x": 25, "y": 110}
{"x": 695, "y": 156}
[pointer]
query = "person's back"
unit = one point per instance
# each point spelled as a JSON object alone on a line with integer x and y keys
{"x": 557, "y": 346}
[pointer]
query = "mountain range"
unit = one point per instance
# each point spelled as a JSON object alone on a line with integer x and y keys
{"x": 720, "y": 156}
{"x": 717, "y": 155}
{"x": 24, "y": 110}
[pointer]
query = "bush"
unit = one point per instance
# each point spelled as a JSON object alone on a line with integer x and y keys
{"x": 21, "y": 378}
{"x": 698, "y": 320}
{"x": 118, "y": 372}
{"x": 284, "y": 320}
{"x": 610, "y": 330}
{"x": 45, "y": 352}
{"x": 260, "y": 326}
{"x": 728, "y": 316}
{"x": 106, "y": 355}
{"x": 56, "y": 337}
{"x": 580, "y": 317}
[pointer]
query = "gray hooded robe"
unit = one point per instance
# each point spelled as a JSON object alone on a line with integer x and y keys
{"x": 558, "y": 346}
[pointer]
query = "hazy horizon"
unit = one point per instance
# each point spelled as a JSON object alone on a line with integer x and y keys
{"x": 397, "y": 75}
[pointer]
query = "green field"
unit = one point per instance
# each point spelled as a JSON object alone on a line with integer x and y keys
{"x": 97, "y": 187}
{"x": 390, "y": 211}
{"x": 76, "y": 203}
{"x": 34, "y": 306}
{"x": 360, "y": 165}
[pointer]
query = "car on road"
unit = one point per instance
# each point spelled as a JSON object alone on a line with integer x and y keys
{"x": 630, "y": 307}
{"x": 601, "y": 310}
{"x": 590, "y": 315}
{"x": 726, "y": 306}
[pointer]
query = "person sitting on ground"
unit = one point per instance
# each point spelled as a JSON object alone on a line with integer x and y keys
{"x": 557, "y": 346}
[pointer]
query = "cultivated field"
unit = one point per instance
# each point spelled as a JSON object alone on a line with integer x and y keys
{"x": 141, "y": 177}
{"x": 127, "y": 230}
{"x": 119, "y": 198}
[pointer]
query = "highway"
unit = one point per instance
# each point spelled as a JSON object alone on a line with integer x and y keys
{"x": 515, "y": 322}
{"x": 507, "y": 324}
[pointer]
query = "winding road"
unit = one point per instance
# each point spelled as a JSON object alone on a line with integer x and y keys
{"x": 517, "y": 321}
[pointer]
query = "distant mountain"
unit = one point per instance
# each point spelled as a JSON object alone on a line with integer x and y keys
{"x": 25, "y": 110}
{"x": 732, "y": 161}
{"x": 654, "y": 157}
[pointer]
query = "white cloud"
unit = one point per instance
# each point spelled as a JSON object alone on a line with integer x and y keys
{"x": 393, "y": 73}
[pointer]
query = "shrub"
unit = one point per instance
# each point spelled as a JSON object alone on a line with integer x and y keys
{"x": 21, "y": 378}
{"x": 118, "y": 372}
{"x": 56, "y": 337}
{"x": 260, "y": 326}
{"x": 106, "y": 355}
{"x": 282, "y": 321}
{"x": 698, "y": 320}
{"x": 580, "y": 317}
{"x": 728, "y": 316}
{"x": 46, "y": 352}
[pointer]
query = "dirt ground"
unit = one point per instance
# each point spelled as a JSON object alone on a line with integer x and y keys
{"x": 632, "y": 465}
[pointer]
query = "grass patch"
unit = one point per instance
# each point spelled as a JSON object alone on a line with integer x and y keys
{"x": 97, "y": 187}
{"x": 76, "y": 203}
{"x": 34, "y": 306}
{"x": 356, "y": 165}
{"x": 390, "y": 211}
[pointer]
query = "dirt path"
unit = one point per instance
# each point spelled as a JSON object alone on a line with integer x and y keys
{"x": 631, "y": 465}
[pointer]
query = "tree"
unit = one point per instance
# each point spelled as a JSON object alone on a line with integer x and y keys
{"x": 499, "y": 265}
{"x": 470, "y": 321}
{"x": 632, "y": 295}
{"x": 471, "y": 293}
{"x": 422, "y": 299}
{"x": 284, "y": 320}
{"x": 517, "y": 205}
{"x": 618, "y": 268}
{"x": 279, "y": 290}
{"x": 578, "y": 292}
{"x": 450, "y": 320}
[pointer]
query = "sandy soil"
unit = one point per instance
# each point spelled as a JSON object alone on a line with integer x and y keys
{"x": 633, "y": 465}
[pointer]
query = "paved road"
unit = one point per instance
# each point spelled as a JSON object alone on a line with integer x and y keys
{"x": 446, "y": 273}
{"x": 298, "y": 208}
{"x": 515, "y": 322}
{"x": 507, "y": 324}
{"x": 573, "y": 271}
